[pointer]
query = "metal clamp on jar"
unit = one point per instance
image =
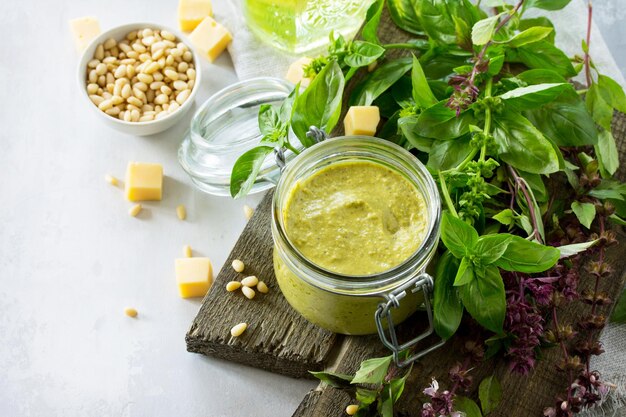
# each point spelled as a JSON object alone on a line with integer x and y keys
{"x": 351, "y": 304}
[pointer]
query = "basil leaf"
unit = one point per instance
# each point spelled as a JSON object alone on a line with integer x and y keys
{"x": 485, "y": 300}
{"x": 490, "y": 248}
{"x": 612, "y": 93}
{"x": 467, "y": 406}
{"x": 366, "y": 396}
{"x": 619, "y": 313}
{"x": 320, "y": 104}
{"x": 490, "y": 394}
{"x": 372, "y": 20}
{"x": 436, "y": 21}
{"x": 575, "y": 248}
{"x": 465, "y": 274}
{"x": 363, "y": 54}
{"x": 403, "y": 14}
{"x": 600, "y": 110}
{"x": 525, "y": 256}
{"x": 286, "y": 108}
{"x": 495, "y": 65}
{"x": 458, "y": 236}
{"x": 246, "y": 169}
{"x": 544, "y": 55}
{"x": 530, "y": 35}
{"x": 447, "y": 154}
{"x": 547, "y": 4}
{"x": 268, "y": 119}
{"x": 504, "y": 217}
{"x": 385, "y": 405}
{"x": 397, "y": 387}
{"x": 333, "y": 379}
{"x": 447, "y": 307}
{"x": 372, "y": 371}
{"x": 379, "y": 81}
{"x": 441, "y": 122}
{"x": 538, "y": 21}
{"x": 539, "y": 76}
{"x": 407, "y": 127}
{"x": 585, "y": 212}
{"x": 422, "y": 94}
{"x": 533, "y": 96}
{"x": 606, "y": 151}
{"x": 482, "y": 31}
{"x": 523, "y": 146}
{"x": 565, "y": 121}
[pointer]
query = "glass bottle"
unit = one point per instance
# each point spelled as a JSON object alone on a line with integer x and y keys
{"x": 300, "y": 26}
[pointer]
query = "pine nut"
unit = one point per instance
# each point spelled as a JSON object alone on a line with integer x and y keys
{"x": 126, "y": 91}
{"x": 248, "y": 211}
{"x": 237, "y": 330}
{"x": 262, "y": 287}
{"x": 191, "y": 73}
{"x": 96, "y": 99}
{"x": 111, "y": 180}
{"x": 178, "y": 85}
{"x": 248, "y": 292}
{"x": 182, "y": 96}
{"x": 105, "y": 105}
{"x": 250, "y": 281}
{"x": 134, "y": 210}
{"x": 117, "y": 100}
{"x": 233, "y": 286}
{"x": 181, "y": 212}
{"x": 99, "y": 55}
{"x": 113, "y": 111}
{"x": 146, "y": 118}
{"x": 173, "y": 107}
{"x": 120, "y": 71}
{"x": 130, "y": 312}
{"x": 352, "y": 409}
{"x": 187, "y": 251}
{"x": 167, "y": 35}
{"x": 161, "y": 99}
{"x": 109, "y": 43}
{"x": 134, "y": 101}
{"x": 238, "y": 265}
{"x": 92, "y": 88}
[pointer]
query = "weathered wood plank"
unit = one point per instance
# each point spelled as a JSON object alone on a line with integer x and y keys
{"x": 278, "y": 338}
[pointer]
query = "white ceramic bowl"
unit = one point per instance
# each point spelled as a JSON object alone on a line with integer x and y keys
{"x": 135, "y": 128}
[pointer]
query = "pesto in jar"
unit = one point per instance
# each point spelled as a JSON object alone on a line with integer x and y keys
{"x": 355, "y": 218}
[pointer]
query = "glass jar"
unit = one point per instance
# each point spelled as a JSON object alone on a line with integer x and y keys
{"x": 350, "y": 304}
{"x": 225, "y": 127}
{"x": 299, "y": 26}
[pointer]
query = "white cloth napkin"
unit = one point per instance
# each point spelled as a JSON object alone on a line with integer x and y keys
{"x": 253, "y": 58}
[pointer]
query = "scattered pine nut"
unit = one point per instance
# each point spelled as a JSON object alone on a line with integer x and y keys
{"x": 262, "y": 287}
{"x": 111, "y": 180}
{"x": 248, "y": 292}
{"x": 250, "y": 281}
{"x": 352, "y": 409}
{"x": 233, "y": 286}
{"x": 187, "y": 251}
{"x": 130, "y": 312}
{"x": 238, "y": 266}
{"x": 248, "y": 211}
{"x": 181, "y": 212}
{"x": 134, "y": 210}
{"x": 238, "y": 329}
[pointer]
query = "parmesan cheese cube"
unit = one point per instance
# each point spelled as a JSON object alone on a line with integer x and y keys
{"x": 361, "y": 120}
{"x": 144, "y": 181}
{"x": 210, "y": 38}
{"x": 194, "y": 276}
{"x": 84, "y": 30}
{"x": 191, "y": 13}
{"x": 295, "y": 73}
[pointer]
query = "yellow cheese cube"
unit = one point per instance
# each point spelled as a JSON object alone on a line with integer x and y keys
{"x": 295, "y": 73}
{"x": 361, "y": 120}
{"x": 84, "y": 30}
{"x": 210, "y": 38}
{"x": 194, "y": 276}
{"x": 144, "y": 181}
{"x": 191, "y": 13}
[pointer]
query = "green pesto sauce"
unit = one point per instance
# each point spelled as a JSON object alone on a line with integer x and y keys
{"x": 356, "y": 218}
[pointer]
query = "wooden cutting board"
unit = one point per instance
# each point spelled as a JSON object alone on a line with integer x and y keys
{"x": 279, "y": 340}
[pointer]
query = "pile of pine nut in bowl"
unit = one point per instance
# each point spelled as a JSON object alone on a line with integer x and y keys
{"x": 141, "y": 78}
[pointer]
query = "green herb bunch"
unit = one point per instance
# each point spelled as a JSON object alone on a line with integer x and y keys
{"x": 524, "y": 159}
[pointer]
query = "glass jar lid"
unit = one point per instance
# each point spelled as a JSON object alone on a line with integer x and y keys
{"x": 225, "y": 127}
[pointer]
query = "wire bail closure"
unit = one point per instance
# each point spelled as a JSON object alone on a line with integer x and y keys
{"x": 422, "y": 282}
